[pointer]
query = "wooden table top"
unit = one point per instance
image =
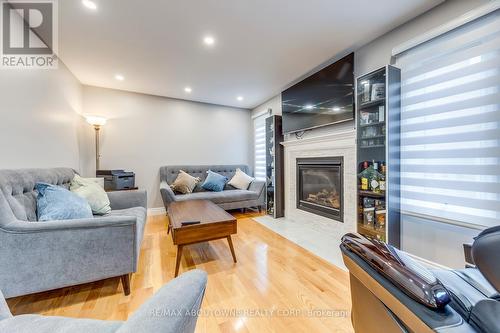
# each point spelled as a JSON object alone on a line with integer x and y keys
{"x": 204, "y": 211}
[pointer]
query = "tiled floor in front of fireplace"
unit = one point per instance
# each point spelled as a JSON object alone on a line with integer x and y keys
{"x": 314, "y": 236}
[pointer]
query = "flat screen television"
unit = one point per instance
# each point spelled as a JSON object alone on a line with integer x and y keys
{"x": 324, "y": 98}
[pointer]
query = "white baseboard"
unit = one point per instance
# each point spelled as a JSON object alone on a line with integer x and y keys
{"x": 157, "y": 211}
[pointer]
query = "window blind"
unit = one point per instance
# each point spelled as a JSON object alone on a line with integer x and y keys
{"x": 450, "y": 125}
{"x": 259, "y": 130}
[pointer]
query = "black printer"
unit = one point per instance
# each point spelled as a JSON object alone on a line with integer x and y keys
{"x": 116, "y": 180}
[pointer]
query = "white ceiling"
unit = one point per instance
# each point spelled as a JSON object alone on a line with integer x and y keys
{"x": 261, "y": 45}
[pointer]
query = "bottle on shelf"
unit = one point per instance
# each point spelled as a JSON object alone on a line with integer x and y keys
{"x": 364, "y": 180}
{"x": 382, "y": 183}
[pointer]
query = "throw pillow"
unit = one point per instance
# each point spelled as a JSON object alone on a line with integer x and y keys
{"x": 93, "y": 193}
{"x": 241, "y": 180}
{"x": 214, "y": 182}
{"x": 57, "y": 203}
{"x": 184, "y": 183}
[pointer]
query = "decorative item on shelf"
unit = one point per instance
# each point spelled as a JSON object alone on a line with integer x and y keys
{"x": 368, "y": 202}
{"x": 97, "y": 122}
{"x": 378, "y": 91}
{"x": 380, "y": 219}
{"x": 381, "y": 114}
{"x": 370, "y": 178}
{"x": 368, "y": 216}
{"x": 366, "y": 91}
{"x": 364, "y": 118}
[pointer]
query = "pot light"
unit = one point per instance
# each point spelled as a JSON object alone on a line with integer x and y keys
{"x": 89, "y": 4}
{"x": 188, "y": 90}
{"x": 239, "y": 98}
{"x": 119, "y": 77}
{"x": 209, "y": 40}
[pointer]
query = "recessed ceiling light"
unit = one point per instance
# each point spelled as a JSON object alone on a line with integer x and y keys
{"x": 209, "y": 40}
{"x": 309, "y": 107}
{"x": 336, "y": 108}
{"x": 239, "y": 98}
{"x": 188, "y": 90}
{"x": 89, "y": 4}
{"x": 119, "y": 77}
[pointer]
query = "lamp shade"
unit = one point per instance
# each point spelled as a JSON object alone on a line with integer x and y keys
{"x": 96, "y": 120}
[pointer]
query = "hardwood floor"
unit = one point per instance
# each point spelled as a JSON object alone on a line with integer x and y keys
{"x": 272, "y": 274}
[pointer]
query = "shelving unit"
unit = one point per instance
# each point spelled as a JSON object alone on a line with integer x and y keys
{"x": 378, "y": 116}
{"x": 275, "y": 201}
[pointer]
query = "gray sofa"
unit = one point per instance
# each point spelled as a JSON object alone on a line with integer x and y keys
{"x": 230, "y": 198}
{"x": 173, "y": 309}
{"x": 39, "y": 256}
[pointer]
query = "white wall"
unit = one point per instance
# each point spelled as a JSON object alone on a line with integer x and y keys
{"x": 378, "y": 53}
{"x": 429, "y": 240}
{"x": 145, "y": 132}
{"x": 40, "y": 124}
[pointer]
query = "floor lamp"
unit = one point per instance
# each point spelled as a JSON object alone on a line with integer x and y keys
{"x": 97, "y": 122}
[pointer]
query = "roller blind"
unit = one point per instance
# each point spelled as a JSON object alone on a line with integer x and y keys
{"x": 259, "y": 130}
{"x": 450, "y": 125}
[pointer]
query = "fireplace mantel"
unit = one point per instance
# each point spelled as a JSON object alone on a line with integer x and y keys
{"x": 345, "y": 135}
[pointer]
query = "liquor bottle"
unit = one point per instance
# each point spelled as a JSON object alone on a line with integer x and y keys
{"x": 382, "y": 183}
{"x": 374, "y": 179}
{"x": 363, "y": 177}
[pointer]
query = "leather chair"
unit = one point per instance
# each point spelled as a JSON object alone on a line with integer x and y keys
{"x": 393, "y": 293}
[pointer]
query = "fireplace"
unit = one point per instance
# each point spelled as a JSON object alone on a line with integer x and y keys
{"x": 320, "y": 186}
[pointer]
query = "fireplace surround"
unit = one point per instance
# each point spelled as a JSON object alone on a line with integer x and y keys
{"x": 320, "y": 186}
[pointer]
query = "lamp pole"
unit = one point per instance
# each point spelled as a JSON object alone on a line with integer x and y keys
{"x": 97, "y": 122}
{"x": 97, "y": 151}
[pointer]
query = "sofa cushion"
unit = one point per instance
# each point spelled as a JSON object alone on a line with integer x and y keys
{"x": 184, "y": 183}
{"x": 169, "y": 173}
{"x": 214, "y": 182}
{"x": 42, "y": 324}
{"x": 57, "y": 203}
{"x": 241, "y": 180}
{"x": 220, "y": 197}
{"x": 18, "y": 187}
{"x": 93, "y": 193}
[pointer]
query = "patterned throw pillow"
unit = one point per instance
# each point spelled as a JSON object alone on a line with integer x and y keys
{"x": 214, "y": 182}
{"x": 184, "y": 183}
{"x": 241, "y": 180}
{"x": 57, "y": 203}
{"x": 93, "y": 193}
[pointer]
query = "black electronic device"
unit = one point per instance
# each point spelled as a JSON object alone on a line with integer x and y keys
{"x": 325, "y": 97}
{"x": 186, "y": 223}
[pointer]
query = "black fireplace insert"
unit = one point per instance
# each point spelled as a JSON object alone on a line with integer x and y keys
{"x": 320, "y": 188}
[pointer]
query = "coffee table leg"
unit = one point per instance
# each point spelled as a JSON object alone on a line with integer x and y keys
{"x": 178, "y": 260}
{"x": 230, "y": 241}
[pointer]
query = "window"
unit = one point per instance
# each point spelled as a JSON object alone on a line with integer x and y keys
{"x": 259, "y": 131}
{"x": 450, "y": 125}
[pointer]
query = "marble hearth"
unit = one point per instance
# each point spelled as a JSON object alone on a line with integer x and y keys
{"x": 318, "y": 234}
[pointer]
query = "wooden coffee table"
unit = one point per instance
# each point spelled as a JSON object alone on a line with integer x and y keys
{"x": 216, "y": 223}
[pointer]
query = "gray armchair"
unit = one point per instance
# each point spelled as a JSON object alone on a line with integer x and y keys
{"x": 173, "y": 309}
{"x": 39, "y": 256}
{"x": 230, "y": 198}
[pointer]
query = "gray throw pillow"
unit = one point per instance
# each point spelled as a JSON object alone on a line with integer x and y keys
{"x": 184, "y": 183}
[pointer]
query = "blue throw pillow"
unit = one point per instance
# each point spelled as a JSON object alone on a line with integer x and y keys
{"x": 57, "y": 203}
{"x": 214, "y": 182}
